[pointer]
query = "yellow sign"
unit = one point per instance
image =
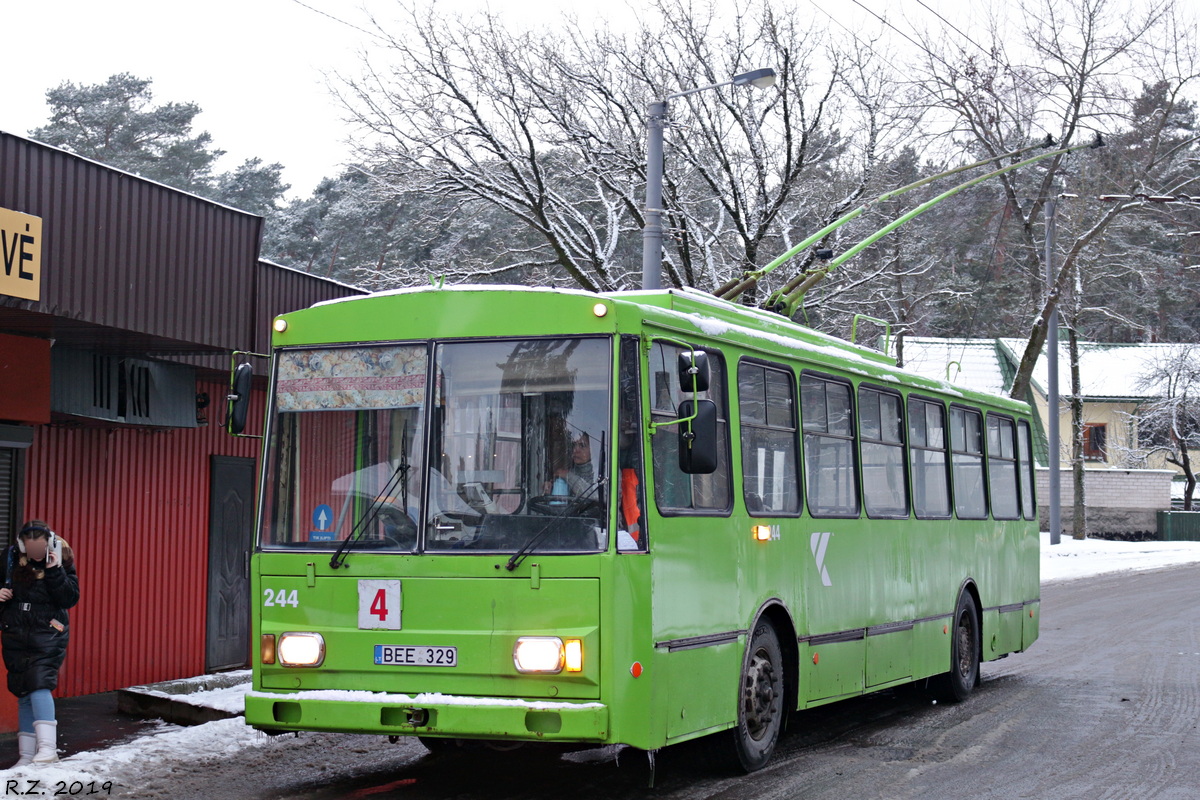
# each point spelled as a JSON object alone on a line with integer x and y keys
{"x": 20, "y": 255}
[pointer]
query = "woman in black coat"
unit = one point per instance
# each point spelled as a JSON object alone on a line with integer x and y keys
{"x": 40, "y": 584}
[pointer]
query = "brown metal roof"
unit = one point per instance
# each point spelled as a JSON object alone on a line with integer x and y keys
{"x": 283, "y": 289}
{"x": 130, "y": 266}
{"x": 127, "y": 263}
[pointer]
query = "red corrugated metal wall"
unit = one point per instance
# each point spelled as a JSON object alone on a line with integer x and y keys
{"x": 134, "y": 505}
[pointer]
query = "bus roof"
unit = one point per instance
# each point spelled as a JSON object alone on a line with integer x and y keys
{"x": 687, "y": 310}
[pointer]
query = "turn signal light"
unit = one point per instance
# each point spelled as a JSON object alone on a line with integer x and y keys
{"x": 573, "y": 655}
{"x": 266, "y": 648}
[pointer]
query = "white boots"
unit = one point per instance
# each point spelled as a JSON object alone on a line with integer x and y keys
{"x": 46, "y": 732}
{"x": 26, "y": 744}
{"x": 39, "y": 747}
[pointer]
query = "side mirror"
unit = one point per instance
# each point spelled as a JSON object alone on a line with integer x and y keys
{"x": 239, "y": 398}
{"x": 698, "y": 438}
{"x": 696, "y": 369}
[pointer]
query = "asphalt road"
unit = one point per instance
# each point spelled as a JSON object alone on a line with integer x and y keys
{"x": 1104, "y": 705}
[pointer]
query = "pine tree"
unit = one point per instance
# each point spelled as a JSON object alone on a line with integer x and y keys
{"x": 117, "y": 123}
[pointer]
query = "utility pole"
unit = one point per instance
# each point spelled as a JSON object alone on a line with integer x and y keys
{"x": 1055, "y": 474}
{"x": 656, "y": 118}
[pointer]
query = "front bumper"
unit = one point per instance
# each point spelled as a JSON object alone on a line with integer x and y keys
{"x": 428, "y": 715}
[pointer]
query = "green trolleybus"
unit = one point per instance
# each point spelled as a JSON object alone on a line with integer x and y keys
{"x": 509, "y": 515}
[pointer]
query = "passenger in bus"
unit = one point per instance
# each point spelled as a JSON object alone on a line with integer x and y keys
{"x": 40, "y": 584}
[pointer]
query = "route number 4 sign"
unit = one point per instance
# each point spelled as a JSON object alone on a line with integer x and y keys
{"x": 379, "y": 605}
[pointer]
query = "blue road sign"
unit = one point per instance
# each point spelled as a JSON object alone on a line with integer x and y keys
{"x": 322, "y": 518}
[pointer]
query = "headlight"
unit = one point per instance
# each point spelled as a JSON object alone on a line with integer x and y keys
{"x": 301, "y": 649}
{"x": 548, "y": 655}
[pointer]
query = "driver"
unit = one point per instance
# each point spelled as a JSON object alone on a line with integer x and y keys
{"x": 580, "y": 475}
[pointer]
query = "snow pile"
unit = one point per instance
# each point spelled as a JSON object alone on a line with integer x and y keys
{"x": 226, "y": 737}
{"x": 224, "y": 692}
{"x": 231, "y": 698}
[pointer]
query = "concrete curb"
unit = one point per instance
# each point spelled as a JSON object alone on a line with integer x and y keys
{"x": 169, "y": 700}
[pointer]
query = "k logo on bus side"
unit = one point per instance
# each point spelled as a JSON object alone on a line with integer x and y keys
{"x": 820, "y": 544}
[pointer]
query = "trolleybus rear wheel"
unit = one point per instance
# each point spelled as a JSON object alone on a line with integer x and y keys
{"x": 760, "y": 700}
{"x": 957, "y": 684}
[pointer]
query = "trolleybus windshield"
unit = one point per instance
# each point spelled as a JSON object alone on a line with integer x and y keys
{"x": 507, "y": 451}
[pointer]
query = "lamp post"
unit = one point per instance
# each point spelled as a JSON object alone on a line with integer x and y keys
{"x": 656, "y": 117}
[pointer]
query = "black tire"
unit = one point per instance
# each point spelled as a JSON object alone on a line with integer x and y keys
{"x": 761, "y": 693}
{"x": 957, "y": 684}
{"x": 438, "y": 746}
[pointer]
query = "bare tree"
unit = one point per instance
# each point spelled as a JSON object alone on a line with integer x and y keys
{"x": 1169, "y": 425}
{"x": 1076, "y": 69}
{"x": 548, "y": 128}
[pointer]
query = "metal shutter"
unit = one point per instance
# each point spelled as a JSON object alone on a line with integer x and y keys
{"x": 8, "y": 493}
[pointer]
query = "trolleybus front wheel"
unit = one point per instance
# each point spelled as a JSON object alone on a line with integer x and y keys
{"x": 492, "y": 748}
{"x": 957, "y": 684}
{"x": 760, "y": 700}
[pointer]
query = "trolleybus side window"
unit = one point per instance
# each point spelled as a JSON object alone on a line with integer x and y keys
{"x": 927, "y": 458}
{"x": 830, "y": 474}
{"x": 767, "y": 414}
{"x": 674, "y": 489}
{"x": 1025, "y": 471}
{"x": 966, "y": 443}
{"x": 1002, "y": 468}
{"x": 881, "y": 430}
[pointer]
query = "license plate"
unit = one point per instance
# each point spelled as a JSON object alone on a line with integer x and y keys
{"x": 407, "y": 655}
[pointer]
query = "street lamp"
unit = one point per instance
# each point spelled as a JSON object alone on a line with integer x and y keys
{"x": 656, "y": 116}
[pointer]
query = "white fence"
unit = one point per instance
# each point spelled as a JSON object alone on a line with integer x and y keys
{"x": 1118, "y": 502}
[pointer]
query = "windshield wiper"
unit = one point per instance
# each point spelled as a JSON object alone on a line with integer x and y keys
{"x": 404, "y": 466}
{"x": 399, "y": 476}
{"x": 575, "y": 505}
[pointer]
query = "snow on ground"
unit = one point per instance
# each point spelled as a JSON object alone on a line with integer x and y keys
{"x": 165, "y": 743}
{"x": 1071, "y": 560}
{"x": 230, "y": 696}
{"x": 1068, "y": 560}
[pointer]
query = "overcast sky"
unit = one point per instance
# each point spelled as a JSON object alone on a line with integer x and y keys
{"x": 256, "y": 67}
